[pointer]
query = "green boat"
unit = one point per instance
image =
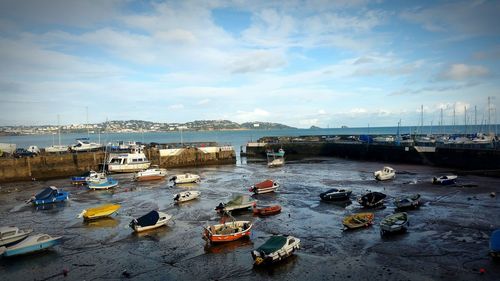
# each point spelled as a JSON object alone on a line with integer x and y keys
{"x": 394, "y": 223}
{"x": 275, "y": 249}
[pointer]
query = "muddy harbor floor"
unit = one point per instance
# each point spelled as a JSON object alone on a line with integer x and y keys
{"x": 447, "y": 238}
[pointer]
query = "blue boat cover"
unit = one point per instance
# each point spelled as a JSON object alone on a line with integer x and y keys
{"x": 495, "y": 241}
{"x": 47, "y": 193}
{"x": 148, "y": 219}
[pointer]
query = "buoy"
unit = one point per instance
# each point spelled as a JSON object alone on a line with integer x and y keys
{"x": 482, "y": 271}
{"x": 65, "y": 272}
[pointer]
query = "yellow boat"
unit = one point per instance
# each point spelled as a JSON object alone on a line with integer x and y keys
{"x": 99, "y": 212}
{"x": 358, "y": 220}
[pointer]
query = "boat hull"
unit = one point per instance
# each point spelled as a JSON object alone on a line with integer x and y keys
{"x": 14, "y": 239}
{"x": 61, "y": 197}
{"x": 106, "y": 185}
{"x": 127, "y": 168}
{"x": 263, "y": 259}
{"x": 150, "y": 178}
{"x": 358, "y": 220}
{"x": 100, "y": 212}
{"x": 212, "y": 237}
{"x": 186, "y": 196}
{"x": 269, "y": 211}
{"x": 31, "y": 248}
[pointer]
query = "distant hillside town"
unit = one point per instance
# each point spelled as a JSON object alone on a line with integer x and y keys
{"x": 140, "y": 126}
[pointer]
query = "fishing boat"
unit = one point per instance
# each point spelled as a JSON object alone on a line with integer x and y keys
{"x": 275, "y": 249}
{"x": 99, "y": 211}
{"x": 185, "y": 178}
{"x": 387, "y": 173}
{"x": 372, "y": 199}
{"x": 394, "y": 223}
{"x": 32, "y": 244}
{"x": 240, "y": 202}
{"x": 267, "y": 211}
{"x": 445, "y": 180}
{"x": 49, "y": 195}
{"x": 358, "y": 220}
{"x": 134, "y": 161}
{"x": 186, "y": 196}
{"x": 11, "y": 234}
{"x": 103, "y": 183}
{"x": 407, "y": 202}
{"x": 226, "y": 232}
{"x": 264, "y": 187}
{"x": 335, "y": 194}
{"x": 495, "y": 244}
{"x": 153, "y": 173}
{"x": 149, "y": 221}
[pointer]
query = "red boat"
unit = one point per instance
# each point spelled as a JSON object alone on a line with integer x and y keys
{"x": 267, "y": 211}
{"x": 264, "y": 187}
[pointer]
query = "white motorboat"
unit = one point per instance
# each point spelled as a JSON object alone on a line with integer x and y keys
{"x": 387, "y": 173}
{"x": 153, "y": 173}
{"x": 128, "y": 162}
{"x": 275, "y": 249}
{"x": 103, "y": 183}
{"x": 84, "y": 144}
{"x": 32, "y": 244}
{"x": 149, "y": 221}
{"x": 445, "y": 180}
{"x": 278, "y": 162}
{"x": 186, "y": 196}
{"x": 185, "y": 178}
{"x": 12, "y": 234}
{"x": 95, "y": 177}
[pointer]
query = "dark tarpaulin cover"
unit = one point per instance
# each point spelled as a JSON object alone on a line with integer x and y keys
{"x": 273, "y": 244}
{"x": 495, "y": 241}
{"x": 148, "y": 219}
{"x": 46, "y": 193}
{"x": 373, "y": 197}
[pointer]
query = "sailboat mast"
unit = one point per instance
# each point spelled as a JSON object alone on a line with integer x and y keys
{"x": 87, "y": 121}
{"x": 421, "y": 119}
{"x": 59, "y": 127}
{"x": 465, "y": 118}
{"x": 441, "y": 122}
{"x": 489, "y": 115}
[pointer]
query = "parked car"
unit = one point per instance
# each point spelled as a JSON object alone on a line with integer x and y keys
{"x": 21, "y": 152}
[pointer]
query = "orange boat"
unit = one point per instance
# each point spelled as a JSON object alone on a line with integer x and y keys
{"x": 264, "y": 187}
{"x": 229, "y": 231}
{"x": 267, "y": 211}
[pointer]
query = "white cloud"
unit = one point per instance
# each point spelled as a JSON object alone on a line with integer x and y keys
{"x": 464, "y": 72}
{"x": 203, "y": 101}
{"x": 176, "y": 106}
{"x": 256, "y": 115}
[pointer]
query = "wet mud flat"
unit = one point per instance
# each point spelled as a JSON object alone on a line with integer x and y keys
{"x": 447, "y": 238}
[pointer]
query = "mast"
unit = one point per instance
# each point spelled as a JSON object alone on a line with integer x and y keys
{"x": 87, "y": 121}
{"x": 59, "y": 128}
{"x": 453, "y": 117}
{"x": 441, "y": 122}
{"x": 489, "y": 115}
{"x": 421, "y": 119}
{"x": 465, "y": 118}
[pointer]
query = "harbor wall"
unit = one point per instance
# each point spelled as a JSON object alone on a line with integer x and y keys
{"x": 70, "y": 164}
{"x": 468, "y": 159}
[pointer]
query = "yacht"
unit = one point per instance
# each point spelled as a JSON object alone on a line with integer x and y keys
{"x": 134, "y": 161}
{"x": 84, "y": 144}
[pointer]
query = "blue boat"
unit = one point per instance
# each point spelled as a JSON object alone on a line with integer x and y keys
{"x": 495, "y": 244}
{"x": 82, "y": 179}
{"x": 32, "y": 244}
{"x": 105, "y": 183}
{"x": 49, "y": 195}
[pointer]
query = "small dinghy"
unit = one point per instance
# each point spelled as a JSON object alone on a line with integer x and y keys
{"x": 445, "y": 180}
{"x": 99, "y": 212}
{"x": 238, "y": 203}
{"x": 226, "y": 232}
{"x": 358, "y": 220}
{"x": 49, "y": 195}
{"x": 335, "y": 194}
{"x": 267, "y": 211}
{"x": 153, "y": 173}
{"x": 387, "y": 173}
{"x": 264, "y": 187}
{"x": 105, "y": 183}
{"x": 186, "y": 196}
{"x": 11, "y": 234}
{"x": 495, "y": 244}
{"x": 32, "y": 244}
{"x": 150, "y": 220}
{"x": 275, "y": 249}
{"x": 82, "y": 179}
{"x": 185, "y": 178}
{"x": 407, "y": 202}
{"x": 372, "y": 199}
{"x": 394, "y": 223}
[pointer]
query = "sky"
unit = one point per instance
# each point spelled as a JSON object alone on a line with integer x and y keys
{"x": 300, "y": 63}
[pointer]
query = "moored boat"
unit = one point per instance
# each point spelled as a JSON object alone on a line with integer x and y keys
{"x": 372, "y": 199}
{"x": 128, "y": 162}
{"x": 278, "y": 162}
{"x": 445, "y": 180}
{"x": 152, "y": 173}
{"x": 264, "y": 187}
{"x": 83, "y": 178}
{"x": 99, "y": 211}
{"x": 186, "y": 196}
{"x": 495, "y": 244}
{"x": 335, "y": 194}
{"x": 394, "y": 223}
{"x": 407, "y": 202}
{"x": 185, "y": 178}
{"x": 275, "y": 249}
{"x": 358, "y": 220}
{"x": 226, "y": 232}
{"x": 387, "y": 173}
{"x": 149, "y": 221}
{"x": 103, "y": 183}
{"x": 32, "y": 244}
{"x": 83, "y": 144}
{"x": 240, "y": 202}
{"x": 49, "y": 195}
{"x": 11, "y": 234}
{"x": 267, "y": 211}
